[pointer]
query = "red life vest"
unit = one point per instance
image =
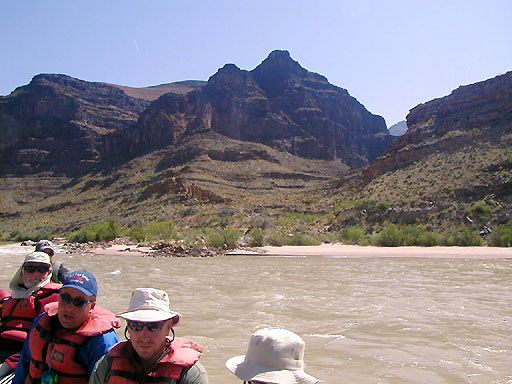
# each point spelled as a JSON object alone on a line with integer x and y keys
{"x": 19, "y": 314}
{"x": 58, "y": 348}
{"x": 182, "y": 353}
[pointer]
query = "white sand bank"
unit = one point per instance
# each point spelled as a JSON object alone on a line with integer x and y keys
{"x": 340, "y": 250}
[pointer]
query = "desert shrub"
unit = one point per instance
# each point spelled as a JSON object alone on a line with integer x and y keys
{"x": 231, "y": 236}
{"x": 224, "y": 237}
{"x": 293, "y": 219}
{"x": 136, "y": 234}
{"x": 160, "y": 230}
{"x": 501, "y": 236}
{"x": 257, "y": 236}
{"x": 429, "y": 239}
{"x": 299, "y": 238}
{"x": 465, "y": 237}
{"x": 481, "y": 208}
{"x": 361, "y": 203}
{"x": 390, "y": 236}
{"x": 276, "y": 239}
{"x": 410, "y": 234}
{"x": 383, "y": 205}
{"x": 84, "y": 235}
{"x": 214, "y": 239}
{"x": 354, "y": 235}
{"x": 18, "y": 235}
{"x": 192, "y": 236}
{"x": 104, "y": 231}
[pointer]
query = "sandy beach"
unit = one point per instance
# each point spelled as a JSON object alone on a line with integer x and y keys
{"x": 340, "y": 250}
{"x": 334, "y": 250}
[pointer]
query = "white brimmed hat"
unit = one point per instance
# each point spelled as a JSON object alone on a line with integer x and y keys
{"x": 149, "y": 305}
{"x": 275, "y": 355}
{"x": 37, "y": 257}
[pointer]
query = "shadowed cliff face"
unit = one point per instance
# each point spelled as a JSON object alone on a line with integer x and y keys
{"x": 65, "y": 125}
{"x": 279, "y": 104}
{"x": 471, "y": 114}
{"x": 60, "y": 124}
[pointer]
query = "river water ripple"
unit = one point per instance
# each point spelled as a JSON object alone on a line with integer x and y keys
{"x": 364, "y": 320}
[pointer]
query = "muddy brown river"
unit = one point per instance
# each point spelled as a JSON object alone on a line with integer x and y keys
{"x": 364, "y": 320}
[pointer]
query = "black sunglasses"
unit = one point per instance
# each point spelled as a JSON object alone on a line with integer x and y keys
{"x": 77, "y": 301}
{"x": 138, "y": 326}
{"x": 34, "y": 268}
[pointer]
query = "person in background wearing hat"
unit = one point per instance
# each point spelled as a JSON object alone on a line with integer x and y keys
{"x": 67, "y": 340}
{"x": 149, "y": 355}
{"x": 59, "y": 270}
{"x": 274, "y": 355}
{"x": 31, "y": 289}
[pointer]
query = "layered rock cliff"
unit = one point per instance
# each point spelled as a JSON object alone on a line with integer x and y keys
{"x": 59, "y": 123}
{"x": 279, "y": 104}
{"x": 67, "y": 126}
{"x": 469, "y": 115}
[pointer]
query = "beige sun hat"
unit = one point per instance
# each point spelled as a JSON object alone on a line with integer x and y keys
{"x": 149, "y": 305}
{"x": 275, "y": 355}
{"x": 37, "y": 257}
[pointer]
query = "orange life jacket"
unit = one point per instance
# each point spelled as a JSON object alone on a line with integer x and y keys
{"x": 17, "y": 315}
{"x": 182, "y": 353}
{"x": 57, "y": 348}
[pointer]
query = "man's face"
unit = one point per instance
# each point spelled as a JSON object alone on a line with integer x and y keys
{"x": 70, "y": 315}
{"x": 34, "y": 273}
{"x": 148, "y": 344}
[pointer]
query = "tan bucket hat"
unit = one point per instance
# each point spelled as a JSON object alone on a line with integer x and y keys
{"x": 274, "y": 355}
{"x": 150, "y": 305}
{"x": 37, "y": 257}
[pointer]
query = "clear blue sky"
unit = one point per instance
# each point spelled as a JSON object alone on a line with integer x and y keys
{"x": 391, "y": 55}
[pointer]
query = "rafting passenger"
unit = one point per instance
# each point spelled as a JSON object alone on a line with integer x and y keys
{"x": 274, "y": 356}
{"x": 31, "y": 289}
{"x": 60, "y": 271}
{"x": 67, "y": 340}
{"x": 149, "y": 355}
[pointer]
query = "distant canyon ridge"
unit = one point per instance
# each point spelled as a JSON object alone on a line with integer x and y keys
{"x": 245, "y": 146}
{"x": 65, "y": 125}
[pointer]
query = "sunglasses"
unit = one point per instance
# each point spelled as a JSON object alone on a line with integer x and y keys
{"x": 33, "y": 268}
{"x": 77, "y": 301}
{"x": 138, "y": 326}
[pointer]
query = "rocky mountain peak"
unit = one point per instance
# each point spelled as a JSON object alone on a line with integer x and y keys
{"x": 229, "y": 76}
{"x": 279, "y": 62}
{"x": 61, "y": 123}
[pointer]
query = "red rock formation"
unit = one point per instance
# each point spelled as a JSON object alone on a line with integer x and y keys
{"x": 480, "y": 111}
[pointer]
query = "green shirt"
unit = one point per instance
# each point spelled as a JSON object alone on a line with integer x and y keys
{"x": 195, "y": 374}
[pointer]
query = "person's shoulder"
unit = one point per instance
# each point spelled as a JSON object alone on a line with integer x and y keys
{"x": 195, "y": 374}
{"x": 107, "y": 335}
{"x": 104, "y": 363}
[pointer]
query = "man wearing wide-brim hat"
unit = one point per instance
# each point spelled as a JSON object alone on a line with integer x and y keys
{"x": 31, "y": 290}
{"x": 149, "y": 354}
{"x": 274, "y": 356}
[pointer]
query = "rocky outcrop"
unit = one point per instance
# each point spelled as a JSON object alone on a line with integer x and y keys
{"x": 470, "y": 114}
{"x": 279, "y": 104}
{"x": 58, "y": 123}
{"x": 67, "y": 126}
